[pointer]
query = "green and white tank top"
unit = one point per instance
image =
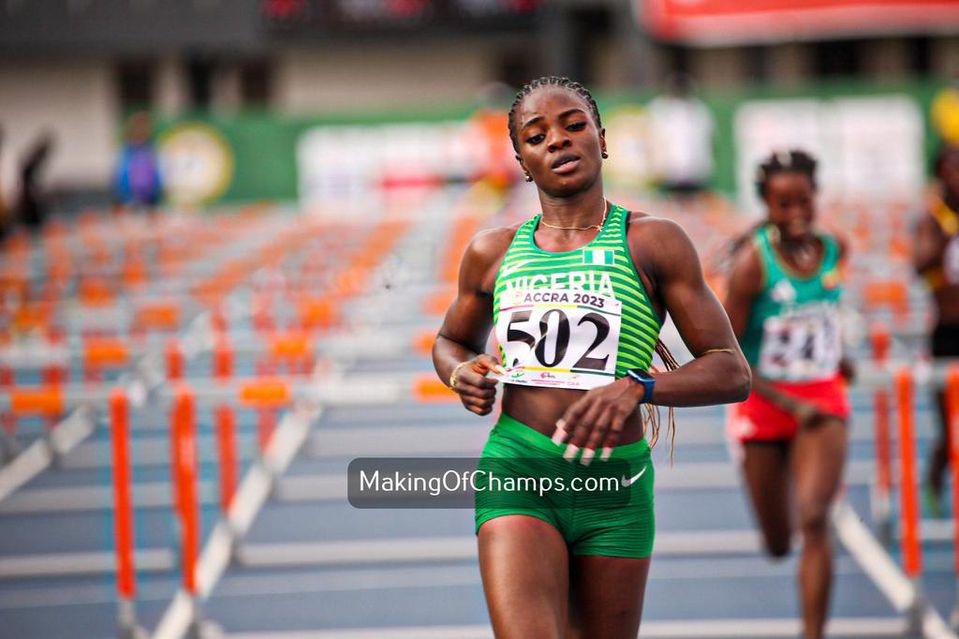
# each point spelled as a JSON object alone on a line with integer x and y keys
{"x": 575, "y": 319}
{"x": 793, "y": 333}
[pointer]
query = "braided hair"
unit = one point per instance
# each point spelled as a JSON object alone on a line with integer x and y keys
{"x": 791, "y": 161}
{"x": 549, "y": 81}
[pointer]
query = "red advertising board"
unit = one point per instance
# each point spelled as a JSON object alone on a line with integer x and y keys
{"x": 742, "y": 21}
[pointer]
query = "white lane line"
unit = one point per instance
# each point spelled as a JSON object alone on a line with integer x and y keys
{"x": 372, "y": 441}
{"x": 332, "y": 487}
{"x": 420, "y": 632}
{"x": 698, "y": 629}
{"x": 271, "y": 583}
{"x": 438, "y": 549}
{"x": 80, "y": 563}
{"x": 336, "y": 553}
{"x": 422, "y": 549}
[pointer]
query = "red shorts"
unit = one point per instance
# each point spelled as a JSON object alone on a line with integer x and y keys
{"x": 758, "y": 419}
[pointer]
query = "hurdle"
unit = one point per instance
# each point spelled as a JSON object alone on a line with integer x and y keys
{"x": 952, "y": 411}
{"x": 901, "y": 585}
{"x": 123, "y": 516}
{"x": 909, "y": 497}
{"x": 239, "y": 501}
{"x": 882, "y": 492}
{"x": 238, "y": 505}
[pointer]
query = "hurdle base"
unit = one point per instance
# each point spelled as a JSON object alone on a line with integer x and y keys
{"x": 204, "y": 630}
{"x": 201, "y": 628}
{"x": 915, "y": 613}
{"x": 127, "y": 627}
{"x": 882, "y": 514}
{"x": 56, "y": 456}
{"x": 9, "y": 448}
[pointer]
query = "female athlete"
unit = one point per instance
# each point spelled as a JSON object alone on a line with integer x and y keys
{"x": 577, "y": 295}
{"x": 783, "y": 302}
{"x": 936, "y": 258}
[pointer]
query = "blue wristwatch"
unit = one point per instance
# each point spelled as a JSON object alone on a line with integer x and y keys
{"x": 640, "y": 376}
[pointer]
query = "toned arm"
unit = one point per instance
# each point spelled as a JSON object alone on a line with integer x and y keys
{"x": 719, "y": 372}
{"x": 466, "y": 327}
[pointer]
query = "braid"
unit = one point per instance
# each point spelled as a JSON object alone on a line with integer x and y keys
{"x": 651, "y": 416}
{"x": 792, "y": 161}
{"x": 549, "y": 81}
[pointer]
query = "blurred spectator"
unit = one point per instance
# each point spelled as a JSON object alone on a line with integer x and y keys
{"x": 945, "y": 112}
{"x": 936, "y": 258}
{"x": 681, "y": 133}
{"x": 32, "y": 205}
{"x": 501, "y": 170}
{"x": 138, "y": 181}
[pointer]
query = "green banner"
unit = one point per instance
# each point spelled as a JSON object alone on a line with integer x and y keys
{"x": 262, "y": 147}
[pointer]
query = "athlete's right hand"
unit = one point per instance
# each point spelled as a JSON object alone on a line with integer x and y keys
{"x": 809, "y": 415}
{"x": 476, "y": 390}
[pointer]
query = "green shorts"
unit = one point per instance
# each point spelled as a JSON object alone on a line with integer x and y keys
{"x": 597, "y": 518}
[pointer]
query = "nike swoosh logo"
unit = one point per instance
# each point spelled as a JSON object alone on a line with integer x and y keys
{"x": 507, "y": 271}
{"x": 632, "y": 480}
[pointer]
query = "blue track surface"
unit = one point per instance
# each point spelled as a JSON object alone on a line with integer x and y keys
{"x": 390, "y": 593}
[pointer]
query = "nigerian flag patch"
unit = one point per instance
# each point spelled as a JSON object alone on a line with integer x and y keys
{"x": 603, "y": 257}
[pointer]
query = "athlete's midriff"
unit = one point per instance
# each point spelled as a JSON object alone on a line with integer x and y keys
{"x": 540, "y": 408}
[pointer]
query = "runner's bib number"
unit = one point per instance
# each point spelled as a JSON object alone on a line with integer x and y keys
{"x": 802, "y": 345}
{"x": 559, "y": 338}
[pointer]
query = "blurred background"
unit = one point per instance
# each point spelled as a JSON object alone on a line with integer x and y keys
{"x": 263, "y": 74}
{"x": 230, "y": 230}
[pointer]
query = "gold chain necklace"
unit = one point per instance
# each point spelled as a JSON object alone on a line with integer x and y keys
{"x": 598, "y": 227}
{"x": 803, "y": 256}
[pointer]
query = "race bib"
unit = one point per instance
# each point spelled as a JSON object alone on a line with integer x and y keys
{"x": 558, "y": 338}
{"x": 802, "y": 345}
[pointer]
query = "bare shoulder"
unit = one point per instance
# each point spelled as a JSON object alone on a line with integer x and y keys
{"x": 484, "y": 255}
{"x": 658, "y": 239}
{"x": 489, "y": 245}
{"x": 655, "y": 228}
{"x": 746, "y": 257}
{"x": 746, "y": 270}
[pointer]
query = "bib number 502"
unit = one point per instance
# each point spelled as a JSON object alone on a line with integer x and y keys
{"x": 561, "y": 344}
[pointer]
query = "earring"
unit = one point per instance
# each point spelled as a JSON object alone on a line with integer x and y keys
{"x": 529, "y": 178}
{"x": 605, "y": 155}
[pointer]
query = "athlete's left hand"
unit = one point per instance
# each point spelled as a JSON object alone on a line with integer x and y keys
{"x": 596, "y": 419}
